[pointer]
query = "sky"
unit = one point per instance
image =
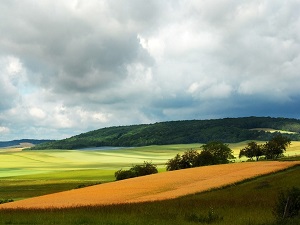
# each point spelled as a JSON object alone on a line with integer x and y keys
{"x": 71, "y": 66}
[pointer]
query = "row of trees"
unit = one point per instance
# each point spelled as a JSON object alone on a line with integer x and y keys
{"x": 211, "y": 154}
{"x": 272, "y": 149}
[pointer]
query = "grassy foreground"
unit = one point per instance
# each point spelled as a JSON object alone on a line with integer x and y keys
{"x": 249, "y": 202}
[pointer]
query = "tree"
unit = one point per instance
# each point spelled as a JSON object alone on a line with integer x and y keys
{"x": 252, "y": 150}
{"x": 189, "y": 158}
{"x": 211, "y": 154}
{"x": 220, "y": 151}
{"x": 205, "y": 158}
{"x": 275, "y": 147}
{"x": 174, "y": 164}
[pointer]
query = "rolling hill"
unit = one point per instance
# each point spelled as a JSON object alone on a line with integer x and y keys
{"x": 227, "y": 130}
{"x": 22, "y": 142}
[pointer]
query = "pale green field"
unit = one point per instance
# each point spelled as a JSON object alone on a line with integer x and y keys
{"x": 75, "y": 164}
{"x": 273, "y": 130}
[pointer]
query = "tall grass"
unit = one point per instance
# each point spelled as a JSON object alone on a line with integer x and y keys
{"x": 247, "y": 203}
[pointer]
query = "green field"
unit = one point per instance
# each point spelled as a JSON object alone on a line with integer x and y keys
{"x": 25, "y": 174}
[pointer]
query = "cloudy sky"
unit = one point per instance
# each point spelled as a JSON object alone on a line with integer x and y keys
{"x": 71, "y": 66}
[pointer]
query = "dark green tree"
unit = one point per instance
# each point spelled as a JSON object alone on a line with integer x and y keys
{"x": 275, "y": 147}
{"x": 252, "y": 150}
{"x": 205, "y": 158}
{"x": 189, "y": 158}
{"x": 174, "y": 163}
{"x": 220, "y": 151}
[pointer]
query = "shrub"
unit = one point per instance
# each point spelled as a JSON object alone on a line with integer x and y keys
{"x": 86, "y": 185}
{"x": 2, "y": 201}
{"x": 136, "y": 171}
{"x": 211, "y": 217}
{"x": 124, "y": 174}
{"x": 288, "y": 204}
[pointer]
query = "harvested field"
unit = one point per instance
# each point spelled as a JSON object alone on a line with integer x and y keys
{"x": 154, "y": 187}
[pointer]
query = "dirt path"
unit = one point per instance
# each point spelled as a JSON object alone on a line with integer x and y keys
{"x": 154, "y": 187}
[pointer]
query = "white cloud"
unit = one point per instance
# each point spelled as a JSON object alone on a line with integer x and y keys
{"x": 210, "y": 89}
{"x": 4, "y": 130}
{"x": 101, "y": 117}
{"x": 14, "y": 66}
{"x": 37, "y": 113}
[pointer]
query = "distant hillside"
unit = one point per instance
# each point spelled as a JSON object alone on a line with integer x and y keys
{"x": 4, "y": 144}
{"x": 227, "y": 130}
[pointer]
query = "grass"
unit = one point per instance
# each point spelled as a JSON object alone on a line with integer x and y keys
{"x": 249, "y": 203}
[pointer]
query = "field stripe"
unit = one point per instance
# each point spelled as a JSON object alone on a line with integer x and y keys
{"x": 154, "y": 187}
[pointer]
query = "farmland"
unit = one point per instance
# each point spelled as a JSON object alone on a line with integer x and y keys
{"x": 155, "y": 187}
{"x": 248, "y": 202}
{"x": 25, "y": 174}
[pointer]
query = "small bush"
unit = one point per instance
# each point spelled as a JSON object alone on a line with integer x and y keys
{"x": 86, "y": 185}
{"x": 211, "y": 217}
{"x": 2, "y": 201}
{"x": 136, "y": 171}
{"x": 124, "y": 174}
{"x": 288, "y": 204}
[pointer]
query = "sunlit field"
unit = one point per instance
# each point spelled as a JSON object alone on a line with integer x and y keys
{"x": 25, "y": 174}
{"x": 249, "y": 202}
{"x": 16, "y": 163}
{"x": 155, "y": 187}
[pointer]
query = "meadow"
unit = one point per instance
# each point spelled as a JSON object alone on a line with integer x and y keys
{"x": 25, "y": 174}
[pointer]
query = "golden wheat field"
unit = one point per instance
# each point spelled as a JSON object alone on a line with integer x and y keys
{"x": 154, "y": 187}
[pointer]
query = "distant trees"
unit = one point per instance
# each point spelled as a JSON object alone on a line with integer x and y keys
{"x": 252, "y": 150}
{"x": 138, "y": 170}
{"x": 220, "y": 151}
{"x": 272, "y": 149}
{"x": 211, "y": 153}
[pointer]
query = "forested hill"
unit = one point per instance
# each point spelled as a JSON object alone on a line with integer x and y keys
{"x": 179, "y": 132}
